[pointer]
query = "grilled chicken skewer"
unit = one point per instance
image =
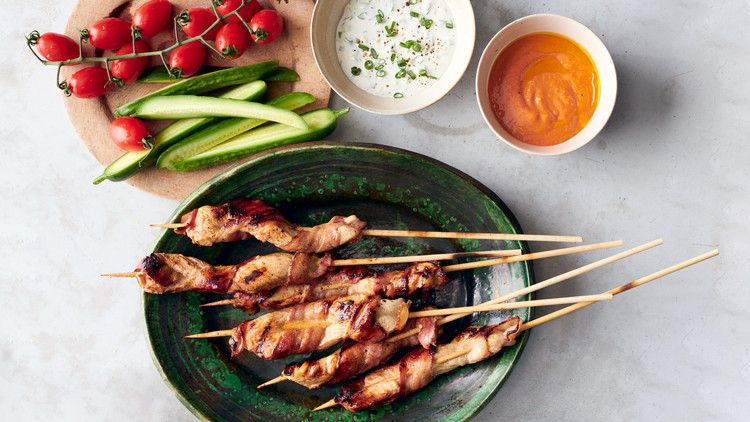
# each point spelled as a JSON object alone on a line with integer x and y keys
{"x": 316, "y": 326}
{"x": 173, "y": 273}
{"x": 241, "y": 219}
{"x": 418, "y": 278}
{"x": 354, "y": 358}
{"x": 349, "y": 361}
{"x": 319, "y": 325}
{"x": 418, "y": 367}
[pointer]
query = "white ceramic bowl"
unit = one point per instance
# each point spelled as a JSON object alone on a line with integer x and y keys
{"x": 574, "y": 31}
{"x": 325, "y": 19}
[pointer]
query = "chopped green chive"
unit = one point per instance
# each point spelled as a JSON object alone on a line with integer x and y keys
{"x": 398, "y": 95}
{"x": 413, "y": 2}
{"x": 368, "y": 64}
{"x": 356, "y": 71}
{"x": 391, "y": 30}
{"x": 427, "y": 23}
{"x": 402, "y": 63}
{"x": 380, "y": 17}
{"x": 414, "y": 14}
{"x": 379, "y": 67}
{"x": 411, "y": 74}
{"x": 449, "y": 25}
{"x": 393, "y": 56}
{"x": 380, "y": 73}
{"x": 424, "y": 73}
{"x": 373, "y": 53}
{"x": 400, "y": 74}
{"x": 363, "y": 47}
{"x": 412, "y": 45}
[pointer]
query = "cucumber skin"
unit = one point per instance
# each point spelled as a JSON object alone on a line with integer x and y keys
{"x": 159, "y": 75}
{"x": 183, "y": 150}
{"x": 205, "y": 83}
{"x": 147, "y": 158}
{"x": 314, "y": 133}
{"x": 283, "y": 74}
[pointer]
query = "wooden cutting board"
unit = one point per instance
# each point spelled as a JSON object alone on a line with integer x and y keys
{"x": 91, "y": 117}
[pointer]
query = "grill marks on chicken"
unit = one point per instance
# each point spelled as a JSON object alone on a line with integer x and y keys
{"x": 172, "y": 273}
{"x": 241, "y": 219}
{"x": 357, "y": 317}
{"x": 420, "y": 366}
{"x": 354, "y": 359}
{"x": 417, "y": 278}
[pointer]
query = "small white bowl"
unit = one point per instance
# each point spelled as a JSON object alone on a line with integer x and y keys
{"x": 323, "y": 26}
{"x": 585, "y": 38}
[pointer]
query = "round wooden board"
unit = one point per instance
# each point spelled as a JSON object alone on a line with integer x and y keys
{"x": 91, "y": 117}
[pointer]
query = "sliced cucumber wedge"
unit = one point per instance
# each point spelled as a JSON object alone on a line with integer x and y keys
{"x": 320, "y": 124}
{"x": 189, "y": 106}
{"x": 202, "y": 84}
{"x": 131, "y": 162}
{"x": 215, "y": 134}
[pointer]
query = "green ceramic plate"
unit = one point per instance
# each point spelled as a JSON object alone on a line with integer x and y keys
{"x": 309, "y": 183}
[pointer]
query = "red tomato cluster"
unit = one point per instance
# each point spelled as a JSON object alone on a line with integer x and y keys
{"x": 248, "y": 23}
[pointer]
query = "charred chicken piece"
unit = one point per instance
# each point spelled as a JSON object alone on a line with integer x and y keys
{"x": 319, "y": 325}
{"x": 173, "y": 273}
{"x": 241, "y": 219}
{"x": 420, "y": 366}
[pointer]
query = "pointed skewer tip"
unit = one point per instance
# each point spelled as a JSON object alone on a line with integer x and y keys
{"x": 326, "y": 405}
{"x": 271, "y": 382}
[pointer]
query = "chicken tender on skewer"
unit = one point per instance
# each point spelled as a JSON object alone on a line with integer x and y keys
{"x": 241, "y": 219}
{"x": 173, "y": 273}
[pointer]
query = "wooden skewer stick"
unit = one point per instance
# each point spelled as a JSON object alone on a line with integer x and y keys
{"x": 169, "y": 225}
{"x": 538, "y": 286}
{"x": 218, "y": 303}
{"x": 572, "y": 308}
{"x": 511, "y": 305}
{"x": 622, "y": 288}
{"x": 467, "y": 235}
{"x": 439, "y": 234}
{"x": 438, "y": 361}
{"x": 423, "y": 258}
{"x": 120, "y": 275}
{"x": 273, "y": 381}
{"x": 212, "y": 334}
{"x": 534, "y": 255}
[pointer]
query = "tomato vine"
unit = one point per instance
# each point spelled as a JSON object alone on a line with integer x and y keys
{"x": 178, "y": 20}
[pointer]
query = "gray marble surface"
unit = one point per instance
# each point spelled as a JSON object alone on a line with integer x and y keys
{"x": 673, "y": 162}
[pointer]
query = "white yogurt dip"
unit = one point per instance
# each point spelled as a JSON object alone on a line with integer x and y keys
{"x": 395, "y": 48}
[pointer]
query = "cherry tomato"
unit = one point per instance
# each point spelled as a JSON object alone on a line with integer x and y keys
{"x": 89, "y": 82}
{"x": 130, "y": 134}
{"x": 232, "y": 40}
{"x": 152, "y": 17}
{"x": 188, "y": 58}
{"x": 56, "y": 47}
{"x": 130, "y": 69}
{"x": 110, "y": 33}
{"x": 251, "y": 7}
{"x": 198, "y": 20}
{"x": 266, "y": 25}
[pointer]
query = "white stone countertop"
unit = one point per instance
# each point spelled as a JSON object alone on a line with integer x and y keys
{"x": 673, "y": 162}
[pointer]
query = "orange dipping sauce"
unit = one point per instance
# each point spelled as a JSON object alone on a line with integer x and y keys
{"x": 543, "y": 88}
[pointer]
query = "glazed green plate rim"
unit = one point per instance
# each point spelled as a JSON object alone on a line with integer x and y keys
{"x": 496, "y": 379}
